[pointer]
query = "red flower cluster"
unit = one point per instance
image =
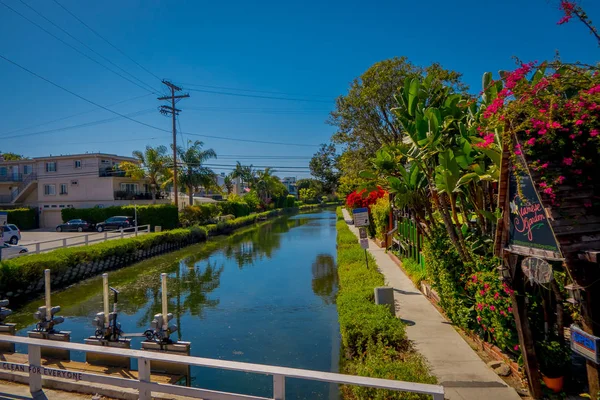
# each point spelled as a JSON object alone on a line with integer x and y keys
{"x": 568, "y": 8}
{"x": 360, "y": 199}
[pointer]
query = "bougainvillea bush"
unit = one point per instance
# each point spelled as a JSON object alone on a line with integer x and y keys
{"x": 550, "y": 114}
{"x": 359, "y": 199}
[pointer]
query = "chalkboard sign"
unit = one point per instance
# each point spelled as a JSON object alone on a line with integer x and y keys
{"x": 529, "y": 226}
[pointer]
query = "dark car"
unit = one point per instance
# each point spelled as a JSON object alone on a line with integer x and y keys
{"x": 78, "y": 225}
{"x": 115, "y": 223}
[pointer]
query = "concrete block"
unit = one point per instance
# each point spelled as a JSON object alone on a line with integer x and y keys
{"x": 179, "y": 348}
{"x": 50, "y": 353}
{"x": 385, "y": 295}
{"x": 108, "y": 360}
{"x": 7, "y": 329}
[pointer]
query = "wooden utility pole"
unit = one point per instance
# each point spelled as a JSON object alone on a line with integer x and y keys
{"x": 166, "y": 110}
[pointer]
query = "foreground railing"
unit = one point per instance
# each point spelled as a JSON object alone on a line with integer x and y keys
{"x": 145, "y": 387}
{"x": 84, "y": 240}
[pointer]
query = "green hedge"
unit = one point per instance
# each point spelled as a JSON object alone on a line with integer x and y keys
{"x": 20, "y": 272}
{"x": 24, "y": 218}
{"x": 201, "y": 214}
{"x": 373, "y": 339}
{"x": 163, "y": 215}
{"x": 237, "y": 208}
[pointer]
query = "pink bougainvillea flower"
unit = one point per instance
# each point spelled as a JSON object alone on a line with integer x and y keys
{"x": 531, "y": 141}
{"x": 545, "y": 165}
{"x": 555, "y": 125}
{"x": 479, "y": 306}
{"x": 478, "y": 319}
{"x": 579, "y": 122}
{"x": 482, "y": 292}
{"x": 518, "y": 152}
{"x": 509, "y": 309}
{"x": 587, "y": 203}
{"x": 594, "y": 132}
{"x": 567, "y": 161}
{"x": 516, "y": 348}
{"x": 578, "y": 171}
{"x": 548, "y": 191}
{"x": 496, "y": 295}
{"x": 560, "y": 179}
{"x": 474, "y": 278}
{"x": 492, "y": 308}
{"x": 542, "y": 132}
{"x": 543, "y": 184}
{"x": 572, "y": 136}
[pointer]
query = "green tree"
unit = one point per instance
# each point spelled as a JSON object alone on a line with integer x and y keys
{"x": 324, "y": 167}
{"x": 246, "y": 173}
{"x": 228, "y": 182}
{"x": 193, "y": 173}
{"x": 151, "y": 166}
{"x": 307, "y": 195}
{"x": 12, "y": 156}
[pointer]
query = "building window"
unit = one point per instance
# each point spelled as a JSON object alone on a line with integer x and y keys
{"x": 129, "y": 187}
{"x": 104, "y": 161}
{"x": 27, "y": 169}
{"x": 77, "y": 163}
{"x": 64, "y": 188}
{"x": 3, "y": 171}
{"x": 74, "y": 183}
{"x": 50, "y": 190}
{"x": 51, "y": 166}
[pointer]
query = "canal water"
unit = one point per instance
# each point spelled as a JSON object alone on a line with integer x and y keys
{"x": 263, "y": 295}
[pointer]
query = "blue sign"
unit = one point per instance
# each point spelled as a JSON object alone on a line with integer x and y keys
{"x": 361, "y": 216}
{"x": 585, "y": 344}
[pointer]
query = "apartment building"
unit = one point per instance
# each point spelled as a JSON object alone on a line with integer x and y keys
{"x": 79, "y": 180}
{"x": 290, "y": 184}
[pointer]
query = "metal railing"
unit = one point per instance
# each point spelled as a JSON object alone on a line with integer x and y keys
{"x": 26, "y": 181}
{"x": 130, "y": 195}
{"x": 87, "y": 239}
{"x": 145, "y": 387}
{"x": 11, "y": 177}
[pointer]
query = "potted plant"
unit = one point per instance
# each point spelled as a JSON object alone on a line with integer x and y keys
{"x": 554, "y": 358}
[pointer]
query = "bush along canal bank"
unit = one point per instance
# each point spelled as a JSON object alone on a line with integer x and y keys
{"x": 23, "y": 277}
{"x": 374, "y": 341}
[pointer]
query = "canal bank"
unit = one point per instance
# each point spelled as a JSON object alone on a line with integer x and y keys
{"x": 264, "y": 294}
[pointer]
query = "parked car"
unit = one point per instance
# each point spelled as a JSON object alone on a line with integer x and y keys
{"x": 78, "y": 225}
{"x": 11, "y": 251}
{"x": 115, "y": 223}
{"x": 10, "y": 233}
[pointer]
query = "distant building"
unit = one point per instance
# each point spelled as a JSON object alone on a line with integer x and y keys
{"x": 79, "y": 180}
{"x": 290, "y": 185}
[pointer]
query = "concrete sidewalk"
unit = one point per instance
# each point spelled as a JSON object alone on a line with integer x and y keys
{"x": 458, "y": 368}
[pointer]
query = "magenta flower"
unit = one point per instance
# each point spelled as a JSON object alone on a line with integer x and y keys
{"x": 542, "y": 132}
{"x": 567, "y": 161}
{"x": 516, "y": 348}
{"x": 545, "y": 165}
{"x": 509, "y": 309}
{"x": 594, "y": 132}
{"x": 548, "y": 190}
{"x": 560, "y": 179}
{"x": 531, "y": 141}
{"x": 579, "y": 122}
{"x": 492, "y": 308}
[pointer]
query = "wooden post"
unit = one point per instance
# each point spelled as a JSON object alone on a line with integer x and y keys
{"x": 590, "y": 275}
{"x": 524, "y": 332}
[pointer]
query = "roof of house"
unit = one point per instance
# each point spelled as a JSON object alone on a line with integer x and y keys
{"x": 63, "y": 156}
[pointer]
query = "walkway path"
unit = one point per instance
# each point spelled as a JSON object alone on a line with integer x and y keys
{"x": 458, "y": 368}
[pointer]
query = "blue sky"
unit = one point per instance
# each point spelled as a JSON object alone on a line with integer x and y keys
{"x": 309, "y": 49}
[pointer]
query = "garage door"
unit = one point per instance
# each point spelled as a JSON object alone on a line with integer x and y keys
{"x": 51, "y": 218}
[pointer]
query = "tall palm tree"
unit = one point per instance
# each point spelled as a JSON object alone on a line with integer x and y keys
{"x": 246, "y": 173}
{"x": 228, "y": 182}
{"x": 193, "y": 173}
{"x": 151, "y": 166}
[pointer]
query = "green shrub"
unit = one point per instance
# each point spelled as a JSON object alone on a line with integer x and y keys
{"x": 416, "y": 272}
{"x": 237, "y": 208}
{"x": 24, "y": 218}
{"x": 290, "y": 200}
{"x": 373, "y": 339}
{"x": 380, "y": 213}
{"x": 163, "y": 215}
{"x": 251, "y": 198}
{"x": 199, "y": 215}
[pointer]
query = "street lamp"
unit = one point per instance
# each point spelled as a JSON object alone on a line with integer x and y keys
{"x": 504, "y": 272}
{"x": 574, "y": 290}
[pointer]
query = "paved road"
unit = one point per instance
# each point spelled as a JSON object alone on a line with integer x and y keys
{"x": 29, "y": 238}
{"x": 458, "y": 368}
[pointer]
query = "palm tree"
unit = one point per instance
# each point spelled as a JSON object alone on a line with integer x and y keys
{"x": 151, "y": 166}
{"x": 228, "y": 182}
{"x": 246, "y": 173}
{"x": 193, "y": 173}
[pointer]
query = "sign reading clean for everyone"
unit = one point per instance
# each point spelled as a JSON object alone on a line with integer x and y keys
{"x": 32, "y": 369}
{"x": 361, "y": 217}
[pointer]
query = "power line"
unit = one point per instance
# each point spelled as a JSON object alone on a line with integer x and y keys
{"x": 71, "y": 46}
{"x": 259, "y": 97}
{"x": 106, "y": 40}
{"x": 87, "y": 47}
{"x": 71, "y": 116}
{"x": 143, "y": 123}
{"x": 255, "y": 91}
{"x": 86, "y": 124}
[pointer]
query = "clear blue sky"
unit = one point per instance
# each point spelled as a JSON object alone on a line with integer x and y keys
{"x": 304, "y": 48}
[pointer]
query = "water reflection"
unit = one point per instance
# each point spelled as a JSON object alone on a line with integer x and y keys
{"x": 325, "y": 278}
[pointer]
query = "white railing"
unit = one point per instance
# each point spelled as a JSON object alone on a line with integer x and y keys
{"x": 36, "y": 247}
{"x": 145, "y": 387}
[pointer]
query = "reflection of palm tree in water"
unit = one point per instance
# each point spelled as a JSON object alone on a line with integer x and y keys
{"x": 325, "y": 278}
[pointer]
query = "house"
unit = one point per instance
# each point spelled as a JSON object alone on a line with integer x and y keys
{"x": 290, "y": 185}
{"x": 79, "y": 180}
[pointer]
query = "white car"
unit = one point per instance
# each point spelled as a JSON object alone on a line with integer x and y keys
{"x": 10, "y": 233}
{"x": 12, "y": 251}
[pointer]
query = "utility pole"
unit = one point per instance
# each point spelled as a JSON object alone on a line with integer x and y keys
{"x": 166, "y": 110}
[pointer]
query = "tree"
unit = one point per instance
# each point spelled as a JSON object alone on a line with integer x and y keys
{"x": 268, "y": 186}
{"x": 151, "y": 166}
{"x": 364, "y": 116}
{"x": 228, "y": 182}
{"x": 193, "y": 173}
{"x": 12, "y": 156}
{"x": 307, "y": 195}
{"x": 310, "y": 183}
{"x": 246, "y": 173}
{"x": 324, "y": 166}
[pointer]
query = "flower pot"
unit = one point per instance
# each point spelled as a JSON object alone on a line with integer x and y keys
{"x": 555, "y": 384}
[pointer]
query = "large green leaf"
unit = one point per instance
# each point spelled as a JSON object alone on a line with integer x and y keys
{"x": 367, "y": 175}
{"x": 413, "y": 94}
{"x": 494, "y": 155}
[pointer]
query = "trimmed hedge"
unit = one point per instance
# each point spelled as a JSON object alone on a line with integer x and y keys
{"x": 237, "y": 208}
{"x": 163, "y": 215}
{"x": 24, "y": 218}
{"x": 201, "y": 214}
{"x": 373, "y": 339}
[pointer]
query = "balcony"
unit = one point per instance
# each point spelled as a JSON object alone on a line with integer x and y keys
{"x": 104, "y": 172}
{"x": 10, "y": 177}
{"x": 128, "y": 195}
